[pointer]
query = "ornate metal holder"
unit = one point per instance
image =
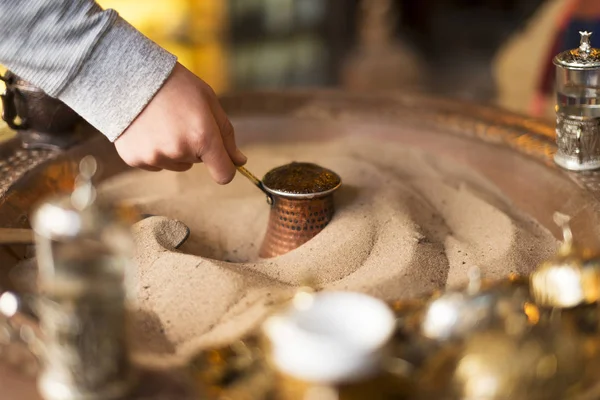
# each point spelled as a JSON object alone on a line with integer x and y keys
{"x": 45, "y": 122}
{"x": 578, "y": 107}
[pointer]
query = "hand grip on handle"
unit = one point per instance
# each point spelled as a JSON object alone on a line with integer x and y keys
{"x": 257, "y": 182}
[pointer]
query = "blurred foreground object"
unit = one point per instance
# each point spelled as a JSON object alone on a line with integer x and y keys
{"x": 457, "y": 314}
{"x": 539, "y": 364}
{"x": 41, "y": 121}
{"x": 83, "y": 253}
{"x": 319, "y": 354}
{"x": 571, "y": 279}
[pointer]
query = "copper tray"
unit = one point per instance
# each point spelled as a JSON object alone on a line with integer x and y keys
{"x": 512, "y": 151}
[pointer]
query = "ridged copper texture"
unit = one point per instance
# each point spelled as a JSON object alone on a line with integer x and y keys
{"x": 302, "y": 206}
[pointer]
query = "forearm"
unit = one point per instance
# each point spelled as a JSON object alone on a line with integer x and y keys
{"x": 89, "y": 58}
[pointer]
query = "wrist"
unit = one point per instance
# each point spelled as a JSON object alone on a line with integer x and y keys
{"x": 118, "y": 79}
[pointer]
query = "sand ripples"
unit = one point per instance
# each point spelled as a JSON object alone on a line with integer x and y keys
{"x": 405, "y": 224}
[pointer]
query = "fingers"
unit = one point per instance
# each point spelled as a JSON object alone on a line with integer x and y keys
{"x": 146, "y": 167}
{"x": 160, "y": 162}
{"x": 214, "y": 155}
{"x": 227, "y": 132}
{"x": 176, "y": 166}
{"x": 172, "y": 136}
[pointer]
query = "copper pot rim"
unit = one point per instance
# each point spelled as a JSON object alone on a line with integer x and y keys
{"x": 302, "y": 196}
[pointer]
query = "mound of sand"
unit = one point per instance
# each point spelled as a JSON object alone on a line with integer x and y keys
{"x": 406, "y": 223}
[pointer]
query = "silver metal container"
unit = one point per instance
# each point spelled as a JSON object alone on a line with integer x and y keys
{"x": 578, "y": 107}
{"x": 83, "y": 253}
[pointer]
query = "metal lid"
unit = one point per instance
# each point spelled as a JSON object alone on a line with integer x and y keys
{"x": 583, "y": 57}
{"x": 301, "y": 180}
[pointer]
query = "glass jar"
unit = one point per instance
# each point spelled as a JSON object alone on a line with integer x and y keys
{"x": 84, "y": 254}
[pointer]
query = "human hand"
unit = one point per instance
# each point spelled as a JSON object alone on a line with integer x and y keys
{"x": 183, "y": 124}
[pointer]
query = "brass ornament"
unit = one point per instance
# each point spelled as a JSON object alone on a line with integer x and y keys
{"x": 455, "y": 314}
{"x": 571, "y": 278}
{"x": 493, "y": 365}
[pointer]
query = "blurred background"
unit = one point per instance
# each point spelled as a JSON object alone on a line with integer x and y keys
{"x": 488, "y": 51}
{"x": 484, "y": 50}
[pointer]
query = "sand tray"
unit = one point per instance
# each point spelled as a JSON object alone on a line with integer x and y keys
{"x": 510, "y": 151}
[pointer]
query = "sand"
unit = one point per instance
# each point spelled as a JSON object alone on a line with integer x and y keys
{"x": 406, "y": 223}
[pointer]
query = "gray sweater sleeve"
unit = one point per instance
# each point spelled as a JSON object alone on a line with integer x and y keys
{"x": 91, "y": 59}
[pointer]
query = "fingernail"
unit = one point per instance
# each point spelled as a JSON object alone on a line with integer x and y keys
{"x": 241, "y": 157}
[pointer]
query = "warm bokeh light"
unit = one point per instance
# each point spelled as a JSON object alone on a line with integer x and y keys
{"x": 194, "y": 30}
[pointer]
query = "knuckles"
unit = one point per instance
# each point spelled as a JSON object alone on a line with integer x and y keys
{"x": 141, "y": 160}
{"x": 177, "y": 151}
{"x": 227, "y": 129}
{"x": 131, "y": 160}
{"x": 198, "y": 140}
{"x": 152, "y": 158}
